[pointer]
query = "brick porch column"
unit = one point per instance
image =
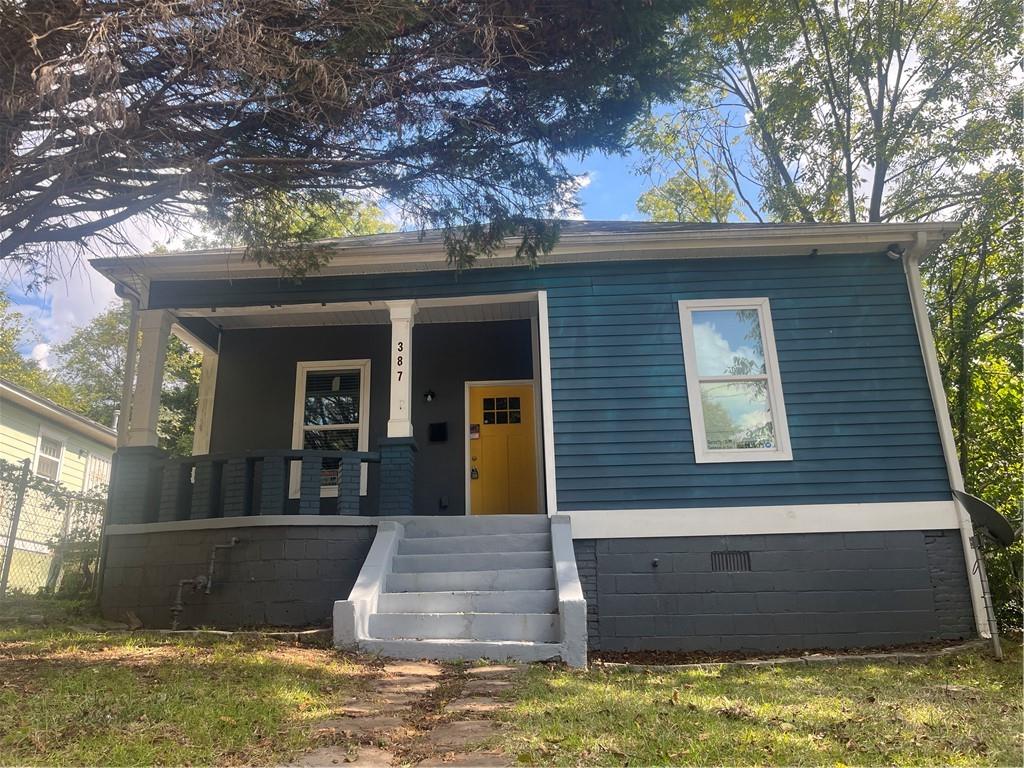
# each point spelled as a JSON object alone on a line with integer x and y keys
{"x": 397, "y": 475}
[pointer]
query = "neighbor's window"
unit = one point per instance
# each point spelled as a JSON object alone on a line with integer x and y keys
{"x": 48, "y": 458}
{"x": 732, "y": 380}
{"x": 332, "y": 398}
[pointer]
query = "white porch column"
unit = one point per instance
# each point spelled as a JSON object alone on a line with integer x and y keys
{"x": 155, "y": 326}
{"x": 400, "y": 417}
{"x": 204, "y": 405}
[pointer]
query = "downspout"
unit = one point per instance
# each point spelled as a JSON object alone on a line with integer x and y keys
{"x": 911, "y": 266}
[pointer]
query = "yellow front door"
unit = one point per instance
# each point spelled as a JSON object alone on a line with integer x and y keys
{"x": 502, "y": 450}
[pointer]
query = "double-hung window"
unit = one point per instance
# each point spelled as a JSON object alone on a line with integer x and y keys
{"x": 49, "y": 456}
{"x": 332, "y": 400}
{"x": 732, "y": 381}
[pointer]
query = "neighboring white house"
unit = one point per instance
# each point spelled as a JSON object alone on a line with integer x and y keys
{"x": 62, "y": 447}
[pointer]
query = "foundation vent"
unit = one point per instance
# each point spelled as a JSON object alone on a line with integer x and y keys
{"x": 724, "y": 562}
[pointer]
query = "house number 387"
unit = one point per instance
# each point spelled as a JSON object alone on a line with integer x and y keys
{"x": 400, "y": 359}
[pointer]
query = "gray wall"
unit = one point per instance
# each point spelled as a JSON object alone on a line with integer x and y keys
{"x": 829, "y": 590}
{"x": 285, "y": 576}
{"x": 255, "y": 397}
{"x": 445, "y": 357}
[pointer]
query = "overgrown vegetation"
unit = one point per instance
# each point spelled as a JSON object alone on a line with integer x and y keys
{"x": 959, "y": 710}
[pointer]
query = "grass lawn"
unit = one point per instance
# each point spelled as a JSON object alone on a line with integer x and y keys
{"x": 71, "y": 696}
{"x": 959, "y": 710}
{"x": 74, "y": 698}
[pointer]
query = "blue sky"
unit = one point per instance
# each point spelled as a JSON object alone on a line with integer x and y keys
{"x": 613, "y": 189}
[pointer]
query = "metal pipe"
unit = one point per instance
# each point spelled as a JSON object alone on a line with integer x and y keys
{"x": 213, "y": 559}
{"x": 200, "y": 582}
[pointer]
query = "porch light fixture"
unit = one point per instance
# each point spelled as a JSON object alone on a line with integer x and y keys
{"x": 429, "y": 395}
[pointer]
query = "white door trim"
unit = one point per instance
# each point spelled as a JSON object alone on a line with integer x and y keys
{"x": 465, "y": 425}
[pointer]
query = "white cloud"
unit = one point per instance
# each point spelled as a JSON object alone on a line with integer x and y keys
{"x": 41, "y": 354}
{"x": 569, "y": 206}
{"x": 714, "y": 354}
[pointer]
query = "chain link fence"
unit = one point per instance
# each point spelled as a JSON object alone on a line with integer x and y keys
{"x": 49, "y": 536}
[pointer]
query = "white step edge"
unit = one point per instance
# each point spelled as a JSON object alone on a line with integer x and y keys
{"x": 467, "y": 601}
{"x": 518, "y": 579}
{"x": 477, "y": 544}
{"x": 466, "y": 650}
{"x": 533, "y": 627}
{"x": 490, "y": 561}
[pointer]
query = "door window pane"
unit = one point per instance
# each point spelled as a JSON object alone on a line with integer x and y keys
{"x": 728, "y": 342}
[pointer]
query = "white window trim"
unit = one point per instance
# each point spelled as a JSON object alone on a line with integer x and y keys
{"x": 304, "y": 367}
{"x": 783, "y": 450}
{"x": 50, "y": 435}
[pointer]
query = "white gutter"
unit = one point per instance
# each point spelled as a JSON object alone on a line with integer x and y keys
{"x": 931, "y": 365}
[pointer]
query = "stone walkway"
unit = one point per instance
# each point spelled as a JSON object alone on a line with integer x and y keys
{"x": 418, "y": 713}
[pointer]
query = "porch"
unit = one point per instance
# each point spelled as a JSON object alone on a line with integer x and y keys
{"x": 358, "y": 408}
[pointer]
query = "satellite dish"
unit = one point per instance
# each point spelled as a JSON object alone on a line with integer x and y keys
{"x": 983, "y": 515}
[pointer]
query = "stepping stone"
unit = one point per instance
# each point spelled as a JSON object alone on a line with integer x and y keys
{"x": 361, "y": 727}
{"x": 461, "y": 733}
{"x": 486, "y": 687}
{"x": 372, "y": 757}
{"x": 475, "y": 705}
{"x": 362, "y": 757}
{"x": 415, "y": 668}
{"x": 385, "y": 706}
{"x": 494, "y": 670}
{"x": 405, "y": 685}
{"x": 468, "y": 760}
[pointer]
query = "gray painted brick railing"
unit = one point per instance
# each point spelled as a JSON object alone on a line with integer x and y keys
{"x": 150, "y": 487}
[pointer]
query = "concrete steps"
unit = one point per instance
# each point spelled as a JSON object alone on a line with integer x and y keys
{"x": 469, "y": 587}
{"x": 480, "y": 543}
{"x": 473, "y": 525}
{"x": 532, "y": 627}
{"x": 470, "y": 601}
{"x": 518, "y": 579}
{"x": 463, "y": 561}
{"x": 452, "y": 649}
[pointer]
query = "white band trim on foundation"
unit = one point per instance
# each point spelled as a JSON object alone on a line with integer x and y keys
{"x": 653, "y": 523}
{"x": 745, "y": 521}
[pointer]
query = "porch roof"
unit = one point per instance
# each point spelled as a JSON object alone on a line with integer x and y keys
{"x": 580, "y": 241}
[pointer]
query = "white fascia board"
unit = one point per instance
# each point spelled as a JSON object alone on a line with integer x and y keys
{"x": 357, "y": 258}
{"x": 746, "y": 521}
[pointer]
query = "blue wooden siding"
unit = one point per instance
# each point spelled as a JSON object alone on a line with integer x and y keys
{"x": 861, "y": 420}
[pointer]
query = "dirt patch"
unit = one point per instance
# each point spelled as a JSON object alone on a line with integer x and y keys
{"x": 719, "y": 657}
